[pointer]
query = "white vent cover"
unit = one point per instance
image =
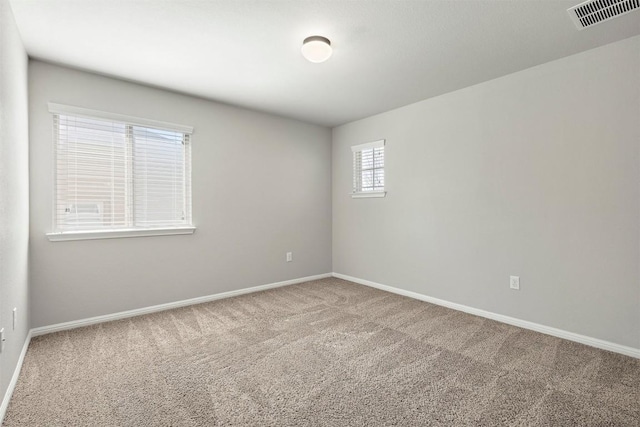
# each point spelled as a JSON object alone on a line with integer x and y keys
{"x": 595, "y": 11}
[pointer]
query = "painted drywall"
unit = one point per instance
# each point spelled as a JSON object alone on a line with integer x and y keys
{"x": 261, "y": 188}
{"x": 14, "y": 194}
{"x": 534, "y": 174}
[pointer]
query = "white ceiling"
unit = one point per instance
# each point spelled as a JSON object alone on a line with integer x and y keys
{"x": 387, "y": 53}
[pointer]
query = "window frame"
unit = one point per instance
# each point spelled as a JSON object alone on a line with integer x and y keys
{"x": 359, "y": 194}
{"x": 62, "y": 235}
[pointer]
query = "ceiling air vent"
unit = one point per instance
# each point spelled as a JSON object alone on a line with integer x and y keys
{"x": 595, "y": 11}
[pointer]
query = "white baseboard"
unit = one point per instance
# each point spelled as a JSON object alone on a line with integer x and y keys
{"x": 14, "y": 379}
{"x": 168, "y": 306}
{"x": 582, "y": 339}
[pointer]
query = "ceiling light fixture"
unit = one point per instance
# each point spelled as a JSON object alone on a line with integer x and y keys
{"x": 316, "y": 49}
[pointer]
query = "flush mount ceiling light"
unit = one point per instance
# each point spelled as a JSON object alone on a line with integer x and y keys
{"x": 316, "y": 49}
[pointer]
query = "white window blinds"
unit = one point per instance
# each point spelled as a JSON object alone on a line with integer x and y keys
{"x": 161, "y": 193}
{"x": 368, "y": 167}
{"x": 115, "y": 175}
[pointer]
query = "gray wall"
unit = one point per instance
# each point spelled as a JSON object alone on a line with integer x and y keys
{"x": 261, "y": 187}
{"x": 534, "y": 174}
{"x": 14, "y": 192}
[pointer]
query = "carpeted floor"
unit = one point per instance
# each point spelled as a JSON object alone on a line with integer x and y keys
{"x": 322, "y": 353}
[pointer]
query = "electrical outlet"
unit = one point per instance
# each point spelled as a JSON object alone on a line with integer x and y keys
{"x": 2, "y": 340}
{"x": 514, "y": 282}
{"x": 289, "y": 256}
{"x": 15, "y": 317}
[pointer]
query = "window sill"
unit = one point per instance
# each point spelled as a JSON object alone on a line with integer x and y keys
{"x": 368, "y": 194}
{"x": 118, "y": 234}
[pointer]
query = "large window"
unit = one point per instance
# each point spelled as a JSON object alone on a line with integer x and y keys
{"x": 117, "y": 176}
{"x": 368, "y": 169}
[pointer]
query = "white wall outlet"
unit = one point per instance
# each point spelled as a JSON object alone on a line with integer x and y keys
{"x": 514, "y": 282}
{"x": 15, "y": 317}
{"x": 2, "y": 340}
{"x": 289, "y": 256}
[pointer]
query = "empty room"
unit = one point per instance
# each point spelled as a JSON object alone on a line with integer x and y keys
{"x": 320, "y": 213}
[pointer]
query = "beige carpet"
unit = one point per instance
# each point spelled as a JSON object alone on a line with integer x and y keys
{"x": 323, "y": 353}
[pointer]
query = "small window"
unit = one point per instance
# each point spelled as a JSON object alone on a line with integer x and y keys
{"x": 119, "y": 175}
{"x": 368, "y": 169}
